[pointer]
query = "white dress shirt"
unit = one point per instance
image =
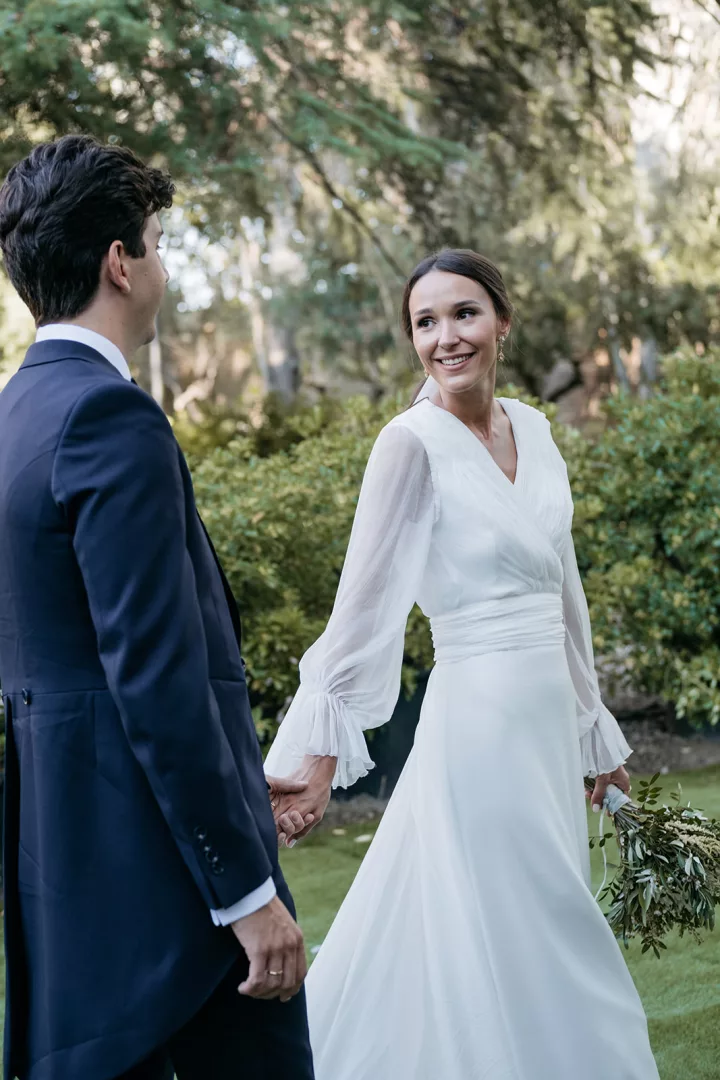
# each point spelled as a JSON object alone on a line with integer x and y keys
{"x": 70, "y": 332}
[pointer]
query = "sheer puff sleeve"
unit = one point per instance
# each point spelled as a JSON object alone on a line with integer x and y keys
{"x": 602, "y": 744}
{"x": 350, "y": 677}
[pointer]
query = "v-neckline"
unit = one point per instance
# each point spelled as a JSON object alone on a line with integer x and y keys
{"x": 508, "y": 412}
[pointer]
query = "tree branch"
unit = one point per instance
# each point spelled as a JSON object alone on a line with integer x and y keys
{"x": 332, "y": 191}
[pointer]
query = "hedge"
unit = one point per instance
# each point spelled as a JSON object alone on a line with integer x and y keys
{"x": 647, "y": 532}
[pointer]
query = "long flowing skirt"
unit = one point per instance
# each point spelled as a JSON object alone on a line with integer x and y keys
{"x": 470, "y": 946}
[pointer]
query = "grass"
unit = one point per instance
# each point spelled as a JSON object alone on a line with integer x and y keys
{"x": 680, "y": 992}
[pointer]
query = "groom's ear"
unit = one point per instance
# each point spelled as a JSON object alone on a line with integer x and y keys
{"x": 116, "y": 267}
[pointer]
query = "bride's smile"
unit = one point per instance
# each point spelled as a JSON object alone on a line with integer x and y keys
{"x": 455, "y": 331}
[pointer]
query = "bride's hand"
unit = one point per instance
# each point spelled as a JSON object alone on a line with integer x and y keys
{"x": 310, "y": 804}
{"x": 619, "y": 777}
{"x": 286, "y": 788}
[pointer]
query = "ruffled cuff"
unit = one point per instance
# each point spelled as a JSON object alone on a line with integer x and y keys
{"x": 319, "y": 724}
{"x": 603, "y": 746}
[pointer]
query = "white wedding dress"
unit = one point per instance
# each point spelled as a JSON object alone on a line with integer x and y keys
{"x": 469, "y": 946}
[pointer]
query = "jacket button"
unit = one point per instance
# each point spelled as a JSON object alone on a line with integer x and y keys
{"x": 27, "y": 696}
{"x": 217, "y": 868}
{"x": 200, "y": 834}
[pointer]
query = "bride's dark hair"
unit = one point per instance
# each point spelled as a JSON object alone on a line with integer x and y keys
{"x": 467, "y": 264}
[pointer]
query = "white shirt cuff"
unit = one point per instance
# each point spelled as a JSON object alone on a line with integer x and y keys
{"x": 252, "y": 902}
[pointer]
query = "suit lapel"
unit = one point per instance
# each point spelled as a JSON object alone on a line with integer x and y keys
{"x": 231, "y": 603}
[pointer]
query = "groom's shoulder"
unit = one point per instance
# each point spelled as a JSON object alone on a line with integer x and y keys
{"x": 48, "y": 403}
{"x": 57, "y": 376}
{"x": 114, "y": 411}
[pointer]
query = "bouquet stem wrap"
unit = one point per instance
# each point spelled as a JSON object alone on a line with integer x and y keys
{"x": 615, "y": 798}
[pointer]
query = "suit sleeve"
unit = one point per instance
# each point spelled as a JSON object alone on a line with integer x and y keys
{"x": 116, "y": 476}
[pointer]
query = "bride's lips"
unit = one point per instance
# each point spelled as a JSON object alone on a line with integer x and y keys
{"x": 455, "y": 367}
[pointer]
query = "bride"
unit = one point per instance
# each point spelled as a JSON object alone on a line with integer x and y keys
{"x": 469, "y": 946}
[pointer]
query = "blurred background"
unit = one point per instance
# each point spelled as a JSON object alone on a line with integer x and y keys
{"x": 320, "y": 150}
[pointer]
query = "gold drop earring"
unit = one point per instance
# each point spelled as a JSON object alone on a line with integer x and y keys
{"x": 500, "y": 353}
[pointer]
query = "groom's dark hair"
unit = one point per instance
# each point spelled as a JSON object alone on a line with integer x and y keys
{"x": 62, "y": 207}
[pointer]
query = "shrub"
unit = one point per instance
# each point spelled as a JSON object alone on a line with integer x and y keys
{"x": 281, "y": 525}
{"x": 647, "y": 533}
{"x": 647, "y": 530}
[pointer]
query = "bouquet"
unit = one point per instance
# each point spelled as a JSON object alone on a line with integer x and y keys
{"x": 669, "y": 872}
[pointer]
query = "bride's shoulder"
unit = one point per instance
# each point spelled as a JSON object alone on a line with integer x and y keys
{"x": 530, "y": 412}
{"x": 402, "y": 431}
{"x": 402, "y": 443}
{"x": 531, "y": 418}
{"x": 417, "y": 419}
{"x": 538, "y": 427}
{"x": 408, "y": 424}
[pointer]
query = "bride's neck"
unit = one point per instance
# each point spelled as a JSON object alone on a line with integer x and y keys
{"x": 475, "y": 406}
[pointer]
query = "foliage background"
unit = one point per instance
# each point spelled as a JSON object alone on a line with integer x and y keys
{"x": 321, "y": 148}
{"x": 647, "y": 532}
{"x": 647, "y": 521}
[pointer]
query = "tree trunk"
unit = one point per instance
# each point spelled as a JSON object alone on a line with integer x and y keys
{"x": 617, "y": 362}
{"x": 249, "y": 276}
{"x": 648, "y": 366}
{"x": 283, "y": 362}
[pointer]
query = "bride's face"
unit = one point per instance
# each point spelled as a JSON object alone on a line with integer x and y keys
{"x": 455, "y": 329}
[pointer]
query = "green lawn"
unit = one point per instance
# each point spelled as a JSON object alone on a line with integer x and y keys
{"x": 681, "y": 991}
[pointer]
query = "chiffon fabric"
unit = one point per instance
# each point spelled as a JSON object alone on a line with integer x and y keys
{"x": 469, "y": 946}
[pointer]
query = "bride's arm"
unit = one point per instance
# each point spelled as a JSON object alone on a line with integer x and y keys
{"x": 602, "y": 743}
{"x": 350, "y": 677}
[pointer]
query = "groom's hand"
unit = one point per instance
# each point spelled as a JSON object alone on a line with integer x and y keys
{"x": 275, "y": 948}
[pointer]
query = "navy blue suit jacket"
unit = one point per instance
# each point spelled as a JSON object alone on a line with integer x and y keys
{"x": 135, "y": 798}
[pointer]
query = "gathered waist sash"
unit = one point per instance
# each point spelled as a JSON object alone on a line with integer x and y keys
{"x": 515, "y": 622}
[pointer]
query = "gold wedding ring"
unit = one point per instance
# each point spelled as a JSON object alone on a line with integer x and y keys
{"x": 276, "y": 974}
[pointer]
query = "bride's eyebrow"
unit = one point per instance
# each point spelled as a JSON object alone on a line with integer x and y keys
{"x": 457, "y": 306}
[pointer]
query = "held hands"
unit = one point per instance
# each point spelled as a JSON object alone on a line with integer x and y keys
{"x": 281, "y": 791}
{"x": 275, "y": 948}
{"x": 300, "y": 803}
{"x": 619, "y": 777}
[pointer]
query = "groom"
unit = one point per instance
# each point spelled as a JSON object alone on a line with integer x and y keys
{"x": 148, "y": 926}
